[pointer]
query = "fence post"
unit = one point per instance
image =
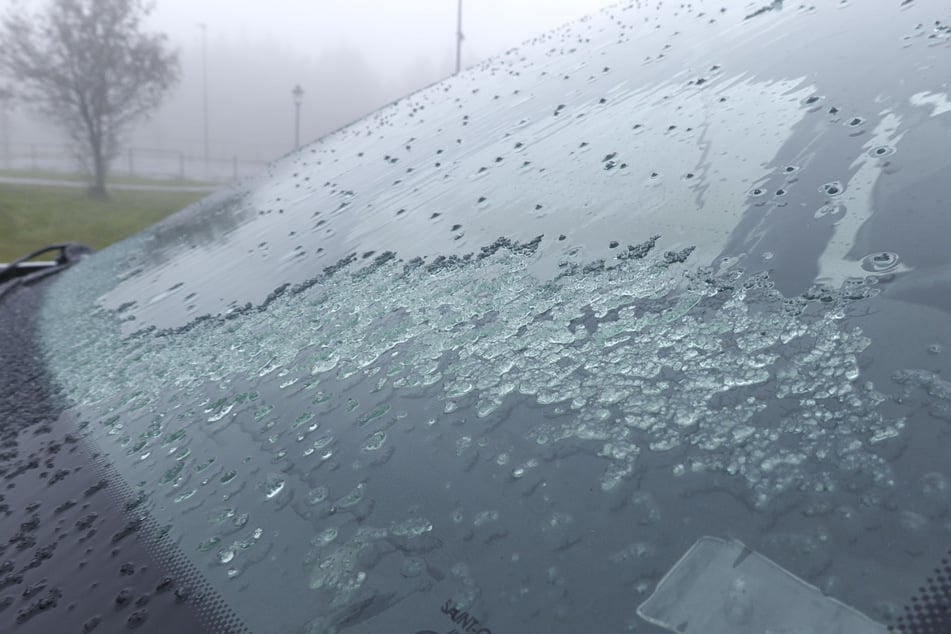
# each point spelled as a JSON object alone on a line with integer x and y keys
{"x": 33, "y": 156}
{"x": 234, "y": 168}
{"x": 181, "y": 165}
{"x": 131, "y": 163}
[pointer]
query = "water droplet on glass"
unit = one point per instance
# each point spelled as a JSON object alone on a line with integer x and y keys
{"x": 208, "y": 544}
{"x": 880, "y": 262}
{"x": 485, "y": 517}
{"x": 375, "y": 442}
{"x": 833, "y": 188}
{"x": 352, "y": 498}
{"x": 317, "y": 495}
{"x": 414, "y": 527}
{"x": 273, "y": 488}
{"x": 326, "y": 536}
{"x": 912, "y": 522}
{"x": 829, "y": 209}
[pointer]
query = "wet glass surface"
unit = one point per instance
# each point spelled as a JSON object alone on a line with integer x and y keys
{"x": 499, "y": 354}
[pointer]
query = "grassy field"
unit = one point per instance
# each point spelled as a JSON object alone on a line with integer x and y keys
{"x": 33, "y": 216}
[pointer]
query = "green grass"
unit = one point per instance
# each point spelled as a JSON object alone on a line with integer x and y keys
{"x": 33, "y": 216}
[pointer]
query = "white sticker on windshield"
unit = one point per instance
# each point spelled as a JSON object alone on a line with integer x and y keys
{"x": 723, "y": 587}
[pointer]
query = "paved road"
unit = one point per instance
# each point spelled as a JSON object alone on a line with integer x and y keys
{"x": 158, "y": 187}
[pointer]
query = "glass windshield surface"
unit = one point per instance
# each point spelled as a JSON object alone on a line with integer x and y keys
{"x": 499, "y": 356}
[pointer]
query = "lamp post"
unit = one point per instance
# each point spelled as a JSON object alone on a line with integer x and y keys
{"x": 459, "y": 38}
{"x": 204, "y": 89}
{"x": 5, "y": 96}
{"x": 298, "y": 94}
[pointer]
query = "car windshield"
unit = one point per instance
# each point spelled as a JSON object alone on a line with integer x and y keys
{"x": 669, "y": 284}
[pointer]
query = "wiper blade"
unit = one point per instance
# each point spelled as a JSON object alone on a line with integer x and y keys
{"x": 69, "y": 253}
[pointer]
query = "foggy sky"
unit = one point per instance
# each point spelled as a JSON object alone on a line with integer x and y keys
{"x": 350, "y": 56}
{"x": 390, "y": 33}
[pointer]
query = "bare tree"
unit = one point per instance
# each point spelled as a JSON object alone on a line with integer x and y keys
{"x": 88, "y": 65}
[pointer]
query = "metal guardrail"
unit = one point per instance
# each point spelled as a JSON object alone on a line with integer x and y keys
{"x": 133, "y": 161}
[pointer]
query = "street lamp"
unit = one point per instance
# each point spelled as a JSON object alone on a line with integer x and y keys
{"x": 204, "y": 88}
{"x": 5, "y": 96}
{"x": 298, "y": 94}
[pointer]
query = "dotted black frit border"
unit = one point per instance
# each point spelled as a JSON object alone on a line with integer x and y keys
{"x": 929, "y": 611}
{"x": 211, "y": 611}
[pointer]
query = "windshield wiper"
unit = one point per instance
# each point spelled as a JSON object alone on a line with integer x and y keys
{"x": 68, "y": 253}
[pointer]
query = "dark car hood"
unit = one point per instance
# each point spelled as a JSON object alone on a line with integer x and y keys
{"x": 517, "y": 341}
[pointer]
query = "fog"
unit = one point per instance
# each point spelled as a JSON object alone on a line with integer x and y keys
{"x": 349, "y": 56}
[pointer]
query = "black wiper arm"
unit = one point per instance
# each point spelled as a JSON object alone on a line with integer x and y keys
{"x": 69, "y": 253}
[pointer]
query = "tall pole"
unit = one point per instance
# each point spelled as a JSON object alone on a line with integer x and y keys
{"x": 298, "y": 94}
{"x": 204, "y": 89}
{"x": 5, "y": 96}
{"x": 459, "y": 38}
